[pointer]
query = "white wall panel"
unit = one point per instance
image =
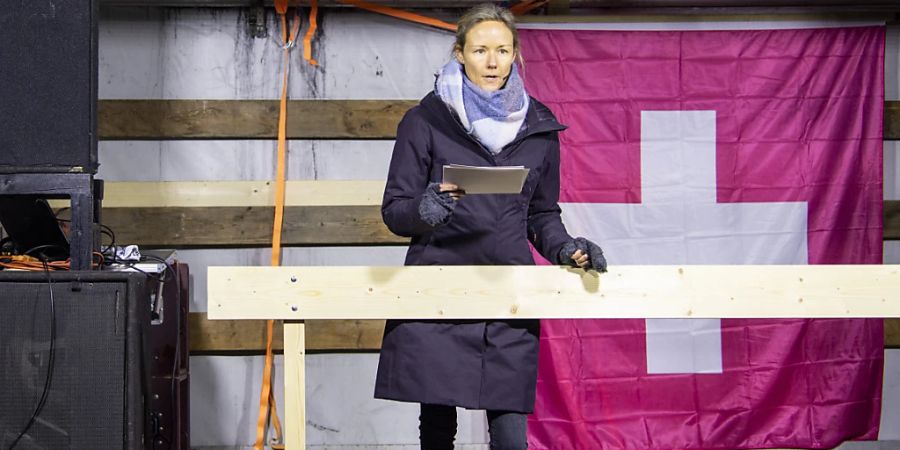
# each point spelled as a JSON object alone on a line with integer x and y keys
{"x": 242, "y": 160}
{"x": 340, "y": 408}
{"x": 183, "y": 53}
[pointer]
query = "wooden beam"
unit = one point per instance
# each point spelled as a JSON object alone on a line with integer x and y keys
{"x": 892, "y": 333}
{"x": 202, "y": 194}
{"x": 891, "y": 220}
{"x": 240, "y": 213}
{"x": 249, "y": 336}
{"x": 307, "y": 119}
{"x": 892, "y": 120}
{"x": 422, "y": 292}
{"x": 251, "y": 226}
{"x": 248, "y": 119}
{"x": 559, "y": 7}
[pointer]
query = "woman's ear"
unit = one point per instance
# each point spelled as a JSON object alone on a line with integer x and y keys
{"x": 457, "y": 52}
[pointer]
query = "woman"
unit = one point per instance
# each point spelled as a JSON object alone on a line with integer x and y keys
{"x": 479, "y": 115}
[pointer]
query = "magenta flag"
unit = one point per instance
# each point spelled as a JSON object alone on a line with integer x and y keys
{"x": 714, "y": 147}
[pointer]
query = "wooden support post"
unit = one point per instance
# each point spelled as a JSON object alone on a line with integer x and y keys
{"x": 295, "y": 384}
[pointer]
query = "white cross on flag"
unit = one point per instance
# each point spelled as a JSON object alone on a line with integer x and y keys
{"x": 714, "y": 147}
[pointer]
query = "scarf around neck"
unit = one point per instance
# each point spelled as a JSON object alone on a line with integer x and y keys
{"x": 493, "y": 118}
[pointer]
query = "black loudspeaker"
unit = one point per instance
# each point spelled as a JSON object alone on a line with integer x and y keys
{"x": 96, "y": 395}
{"x": 48, "y": 85}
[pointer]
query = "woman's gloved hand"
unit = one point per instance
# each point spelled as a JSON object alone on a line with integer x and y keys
{"x": 438, "y": 203}
{"x": 580, "y": 252}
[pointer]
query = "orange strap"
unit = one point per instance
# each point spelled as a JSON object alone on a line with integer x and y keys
{"x": 526, "y": 6}
{"x": 266, "y": 397}
{"x": 400, "y": 14}
{"x": 307, "y": 40}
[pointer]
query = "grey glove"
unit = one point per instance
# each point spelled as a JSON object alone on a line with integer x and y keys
{"x": 596, "y": 260}
{"x": 436, "y": 207}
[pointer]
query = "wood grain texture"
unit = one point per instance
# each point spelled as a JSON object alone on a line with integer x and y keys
{"x": 307, "y": 119}
{"x": 249, "y": 336}
{"x": 248, "y": 119}
{"x": 892, "y": 333}
{"x": 295, "y": 385}
{"x": 892, "y": 120}
{"x": 422, "y": 292}
{"x": 240, "y": 213}
{"x": 249, "y": 226}
{"x": 891, "y": 220}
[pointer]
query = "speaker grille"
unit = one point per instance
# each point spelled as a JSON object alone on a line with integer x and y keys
{"x": 48, "y": 83}
{"x": 88, "y": 402}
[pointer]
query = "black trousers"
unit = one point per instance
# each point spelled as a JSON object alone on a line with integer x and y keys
{"x": 437, "y": 428}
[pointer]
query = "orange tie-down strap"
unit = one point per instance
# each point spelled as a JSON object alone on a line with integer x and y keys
{"x": 267, "y": 397}
{"x": 400, "y": 14}
{"x": 307, "y": 40}
{"x": 526, "y": 6}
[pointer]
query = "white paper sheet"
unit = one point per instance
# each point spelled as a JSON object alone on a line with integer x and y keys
{"x": 486, "y": 180}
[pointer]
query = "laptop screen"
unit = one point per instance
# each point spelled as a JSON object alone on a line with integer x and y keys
{"x": 31, "y": 225}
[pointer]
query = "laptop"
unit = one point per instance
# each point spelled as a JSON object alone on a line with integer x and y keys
{"x": 30, "y": 223}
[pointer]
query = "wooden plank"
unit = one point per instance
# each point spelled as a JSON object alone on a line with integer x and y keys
{"x": 248, "y": 119}
{"x": 745, "y": 291}
{"x": 559, "y": 7}
{"x": 891, "y": 220}
{"x": 195, "y": 194}
{"x": 307, "y": 119}
{"x": 295, "y": 385}
{"x": 251, "y": 226}
{"x": 892, "y": 120}
{"x": 239, "y": 213}
{"x": 891, "y": 333}
{"x": 249, "y": 336}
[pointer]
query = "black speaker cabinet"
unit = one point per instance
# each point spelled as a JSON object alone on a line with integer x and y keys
{"x": 96, "y": 397}
{"x": 48, "y": 86}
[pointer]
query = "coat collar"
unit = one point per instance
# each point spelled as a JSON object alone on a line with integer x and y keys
{"x": 538, "y": 119}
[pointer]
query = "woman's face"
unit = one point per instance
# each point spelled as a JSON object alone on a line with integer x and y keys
{"x": 488, "y": 55}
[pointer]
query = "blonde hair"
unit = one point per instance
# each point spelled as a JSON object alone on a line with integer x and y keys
{"x": 486, "y": 12}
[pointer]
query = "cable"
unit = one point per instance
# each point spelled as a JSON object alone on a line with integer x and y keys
{"x": 177, "y": 322}
{"x": 43, "y": 247}
{"x": 51, "y": 361}
{"x": 105, "y": 230}
{"x": 32, "y": 264}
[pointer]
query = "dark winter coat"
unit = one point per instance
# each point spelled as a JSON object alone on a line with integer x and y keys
{"x": 471, "y": 364}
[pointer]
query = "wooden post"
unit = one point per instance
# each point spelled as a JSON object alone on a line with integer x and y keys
{"x": 294, "y": 385}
